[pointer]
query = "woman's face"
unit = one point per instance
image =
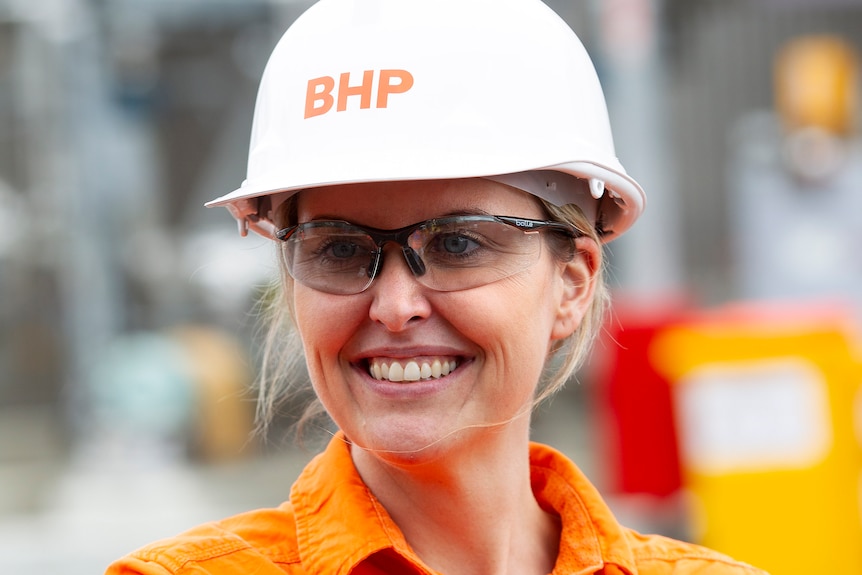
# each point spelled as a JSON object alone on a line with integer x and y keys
{"x": 495, "y": 337}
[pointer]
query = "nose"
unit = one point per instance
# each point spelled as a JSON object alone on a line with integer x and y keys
{"x": 399, "y": 300}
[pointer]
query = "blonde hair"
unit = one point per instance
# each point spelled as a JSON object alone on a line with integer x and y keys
{"x": 283, "y": 385}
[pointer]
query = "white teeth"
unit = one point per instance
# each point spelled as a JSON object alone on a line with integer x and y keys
{"x": 396, "y": 372}
{"x": 426, "y": 371}
{"x": 436, "y": 369}
{"x": 412, "y": 371}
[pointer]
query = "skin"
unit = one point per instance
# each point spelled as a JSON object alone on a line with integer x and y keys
{"x": 447, "y": 457}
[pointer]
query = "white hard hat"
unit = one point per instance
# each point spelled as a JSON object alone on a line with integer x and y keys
{"x": 383, "y": 90}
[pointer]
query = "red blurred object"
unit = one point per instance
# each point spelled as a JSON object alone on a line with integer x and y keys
{"x": 640, "y": 429}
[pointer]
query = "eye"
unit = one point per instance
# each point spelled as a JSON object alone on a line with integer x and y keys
{"x": 339, "y": 252}
{"x": 457, "y": 244}
{"x": 341, "y": 249}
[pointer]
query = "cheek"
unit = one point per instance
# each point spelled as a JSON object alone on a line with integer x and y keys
{"x": 325, "y": 322}
{"x": 511, "y": 322}
{"x": 528, "y": 303}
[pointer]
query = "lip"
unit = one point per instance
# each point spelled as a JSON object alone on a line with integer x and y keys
{"x": 396, "y": 391}
{"x": 407, "y": 353}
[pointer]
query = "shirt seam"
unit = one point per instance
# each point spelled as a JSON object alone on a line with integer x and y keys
{"x": 177, "y": 561}
{"x": 705, "y": 557}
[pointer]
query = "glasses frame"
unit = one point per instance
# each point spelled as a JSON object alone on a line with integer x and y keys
{"x": 400, "y": 236}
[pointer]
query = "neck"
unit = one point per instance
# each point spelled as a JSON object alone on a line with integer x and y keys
{"x": 471, "y": 510}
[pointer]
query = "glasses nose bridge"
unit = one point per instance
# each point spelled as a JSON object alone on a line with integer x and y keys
{"x": 401, "y": 238}
{"x": 383, "y": 237}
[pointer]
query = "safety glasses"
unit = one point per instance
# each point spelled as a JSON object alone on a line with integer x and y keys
{"x": 444, "y": 254}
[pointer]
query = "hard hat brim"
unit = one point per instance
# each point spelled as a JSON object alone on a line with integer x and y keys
{"x": 623, "y": 202}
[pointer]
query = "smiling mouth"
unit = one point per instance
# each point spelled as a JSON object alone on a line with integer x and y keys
{"x": 410, "y": 370}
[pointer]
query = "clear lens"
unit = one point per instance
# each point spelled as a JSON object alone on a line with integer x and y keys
{"x": 331, "y": 258}
{"x": 457, "y": 253}
{"x": 465, "y": 254}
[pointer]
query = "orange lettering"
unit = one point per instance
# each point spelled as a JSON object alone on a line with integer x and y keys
{"x": 405, "y": 82}
{"x": 363, "y": 90}
{"x": 319, "y": 98}
{"x": 316, "y": 94}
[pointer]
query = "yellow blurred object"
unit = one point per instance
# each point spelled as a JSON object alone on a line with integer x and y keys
{"x": 765, "y": 412}
{"x": 816, "y": 85}
{"x": 224, "y": 412}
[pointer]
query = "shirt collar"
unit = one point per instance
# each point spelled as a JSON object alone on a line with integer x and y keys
{"x": 340, "y": 523}
{"x": 591, "y": 537}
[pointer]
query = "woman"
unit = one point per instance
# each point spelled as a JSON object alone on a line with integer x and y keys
{"x": 439, "y": 178}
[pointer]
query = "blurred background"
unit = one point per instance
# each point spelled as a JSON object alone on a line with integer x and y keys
{"x": 721, "y": 406}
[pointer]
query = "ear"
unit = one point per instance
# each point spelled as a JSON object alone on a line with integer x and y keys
{"x": 577, "y": 285}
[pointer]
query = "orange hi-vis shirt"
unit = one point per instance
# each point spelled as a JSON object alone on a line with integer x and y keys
{"x": 333, "y": 525}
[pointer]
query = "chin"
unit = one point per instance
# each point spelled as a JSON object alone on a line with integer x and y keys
{"x": 411, "y": 446}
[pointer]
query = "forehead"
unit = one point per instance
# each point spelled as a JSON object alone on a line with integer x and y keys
{"x": 396, "y": 204}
